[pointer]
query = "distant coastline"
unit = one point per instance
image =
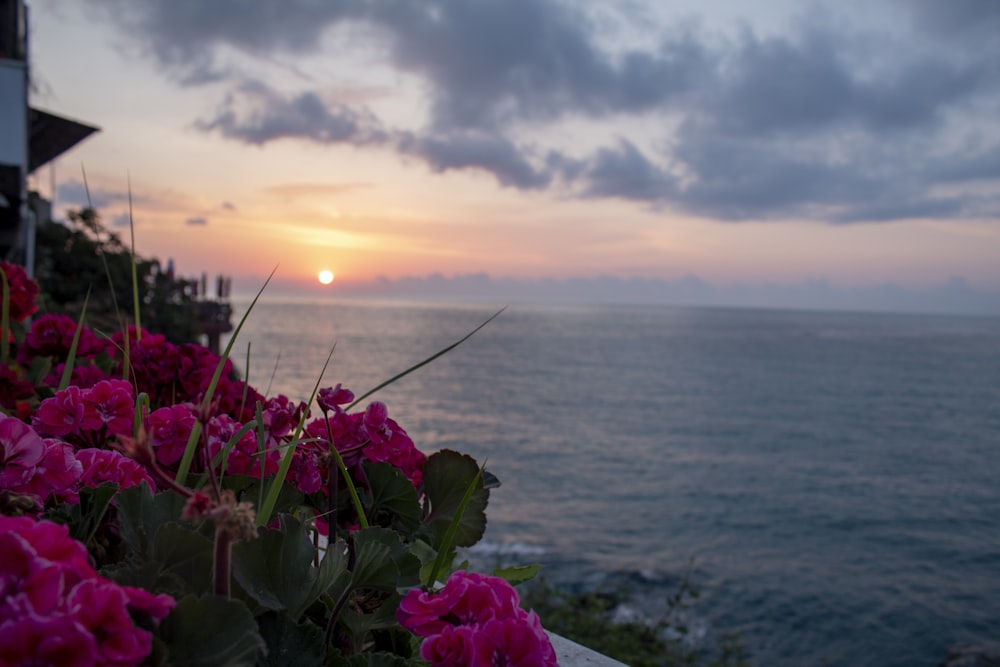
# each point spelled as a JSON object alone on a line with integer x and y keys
{"x": 954, "y": 297}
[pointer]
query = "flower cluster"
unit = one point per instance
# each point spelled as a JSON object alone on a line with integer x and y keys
{"x": 56, "y": 610}
{"x": 140, "y": 415}
{"x": 475, "y": 621}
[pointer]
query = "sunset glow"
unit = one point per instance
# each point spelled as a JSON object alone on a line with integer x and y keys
{"x": 325, "y": 277}
{"x": 638, "y": 153}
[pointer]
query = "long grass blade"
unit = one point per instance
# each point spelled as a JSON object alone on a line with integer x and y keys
{"x": 67, "y": 374}
{"x": 271, "y": 499}
{"x": 135, "y": 276}
{"x": 426, "y": 361}
{"x": 448, "y": 543}
{"x": 188, "y": 457}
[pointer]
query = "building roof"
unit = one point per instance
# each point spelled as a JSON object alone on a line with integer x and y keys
{"x": 53, "y": 135}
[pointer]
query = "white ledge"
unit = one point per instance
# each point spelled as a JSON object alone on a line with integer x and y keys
{"x": 571, "y": 654}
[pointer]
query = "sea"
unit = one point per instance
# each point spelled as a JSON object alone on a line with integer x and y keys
{"x": 829, "y": 482}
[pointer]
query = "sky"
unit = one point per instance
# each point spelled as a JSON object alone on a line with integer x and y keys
{"x": 833, "y": 154}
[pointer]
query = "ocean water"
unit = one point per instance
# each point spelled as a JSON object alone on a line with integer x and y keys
{"x": 831, "y": 481}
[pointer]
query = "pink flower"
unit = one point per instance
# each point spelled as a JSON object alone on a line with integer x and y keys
{"x": 330, "y": 399}
{"x": 52, "y": 542}
{"x": 155, "y": 606}
{"x": 101, "y": 607}
{"x": 467, "y": 598}
{"x": 105, "y": 465}
{"x": 476, "y": 621}
{"x": 244, "y": 457}
{"x": 170, "y": 428}
{"x": 518, "y": 642}
{"x": 61, "y": 414}
{"x": 280, "y": 416}
{"x": 460, "y": 646}
{"x": 57, "y": 473}
{"x": 28, "y": 584}
{"x": 52, "y": 336}
{"x": 56, "y": 610}
{"x": 424, "y": 613}
{"x": 304, "y": 473}
{"x": 13, "y": 387}
{"x": 23, "y": 291}
{"x": 20, "y": 451}
{"x": 111, "y": 403}
{"x": 56, "y": 640}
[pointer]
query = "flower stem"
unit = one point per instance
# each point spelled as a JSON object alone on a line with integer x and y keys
{"x": 221, "y": 559}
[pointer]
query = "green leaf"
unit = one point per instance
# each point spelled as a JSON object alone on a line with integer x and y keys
{"x": 276, "y": 569}
{"x": 185, "y": 553}
{"x": 211, "y": 631}
{"x": 374, "y": 540}
{"x": 373, "y": 567}
{"x": 290, "y": 644}
{"x": 382, "y": 618}
{"x": 394, "y": 500}
{"x": 447, "y": 476}
{"x": 141, "y": 514}
{"x": 517, "y": 574}
{"x": 93, "y": 505}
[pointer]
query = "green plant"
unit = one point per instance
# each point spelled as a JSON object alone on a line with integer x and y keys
{"x": 186, "y": 510}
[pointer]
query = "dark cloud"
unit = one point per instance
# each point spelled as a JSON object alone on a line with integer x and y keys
{"x": 624, "y": 172}
{"x": 227, "y": 206}
{"x": 196, "y": 222}
{"x": 493, "y": 63}
{"x": 509, "y": 163}
{"x": 257, "y": 114}
{"x": 956, "y": 19}
{"x": 822, "y": 121}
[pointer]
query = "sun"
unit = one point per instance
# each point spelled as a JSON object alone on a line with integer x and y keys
{"x": 326, "y": 276}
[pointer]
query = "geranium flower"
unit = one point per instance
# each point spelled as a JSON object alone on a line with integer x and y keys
{"x": 61, "y": 414}
{"x": 475, "y": 621}
{"x": 13, "y": 388}
{"x": 56, "y": 610}
{"x": 110, "y": 403}
{"x": 170, "y": 428}
{"x": 52, "y": 336}
{"x": 330, "y": 399}
{"x": 457, "y": 646}
{"x": 516, "y": 642}
{"x": 23, "y": 291}
{"x": 244, "y": 457}
{"x": 101, "y": 607}
{"x": 57, "y": 473}
{"x": 106, "y": 465}
{"x": 56, "y": 640}
{"x": 20, "y": 451}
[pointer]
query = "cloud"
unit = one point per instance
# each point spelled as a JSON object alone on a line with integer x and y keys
{"x": 227, "y": 206}
{"x": 120, "y": 220}
{"x": 509, "y": 163}
{"x": 820, "y": 121}
{"x": 257, "y": 114}
{"x": 196, "y": 222}
{"x": 75, "y": 194}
